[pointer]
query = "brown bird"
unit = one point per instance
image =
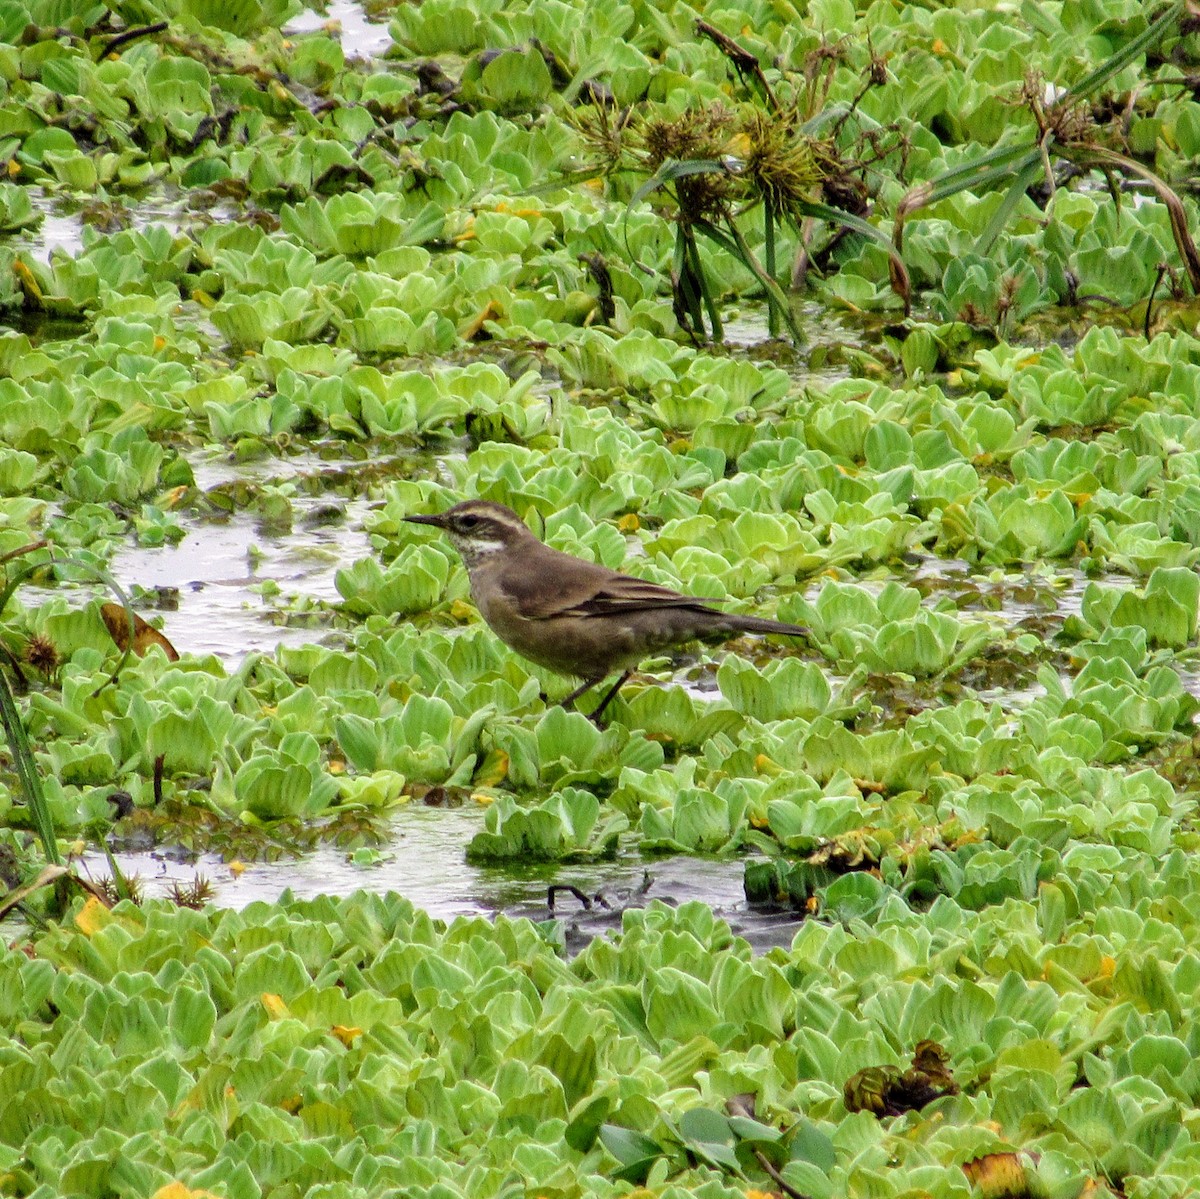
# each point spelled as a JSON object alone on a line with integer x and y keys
{"x": 571, "y": 616}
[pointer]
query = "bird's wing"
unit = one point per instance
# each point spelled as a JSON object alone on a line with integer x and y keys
{"x": 542, "y": 588}
{"x": 627, "y": 594}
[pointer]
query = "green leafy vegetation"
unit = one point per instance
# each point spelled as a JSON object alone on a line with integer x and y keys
{"x": 359, "y": 1045}
{"x": 501, "y": 261}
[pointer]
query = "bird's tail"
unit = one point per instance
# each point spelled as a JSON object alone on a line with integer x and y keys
{"x": 756, "y": 624}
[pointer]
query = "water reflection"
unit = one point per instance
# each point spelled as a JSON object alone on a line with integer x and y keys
{"x": 242, "y": 590}
{"x": 360, "y": 38}
{"x": 424, "y": 861}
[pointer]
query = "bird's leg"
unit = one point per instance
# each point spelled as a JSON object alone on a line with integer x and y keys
{"x": 612, "y": 694}
{"x": 583, "y": 687}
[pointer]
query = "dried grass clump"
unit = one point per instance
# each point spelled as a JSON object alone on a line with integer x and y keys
{"x": 1070, "y": 123}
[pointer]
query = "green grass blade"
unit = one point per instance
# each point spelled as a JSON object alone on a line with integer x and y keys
{"x": 47, "y": 877}
{"x": 734, "y": 243}
{"x": 17, "y": 579}
{"x": 1008, "y": 206}
{"x": 1150, "y": 36}
{"x": 667, "y": 173}
{"x": 673, "y": 169}
{"x": 27, "y": 771}
{"x": 837, "y": 216}
{"x": 701, "y": 283}
{"x": 981, "y": 173}
{"x": 769, "y": 265}
{"x": 120, "y": 882}
{"x": 687, "y": 297}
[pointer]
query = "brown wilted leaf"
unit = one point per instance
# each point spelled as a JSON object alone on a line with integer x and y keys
{"x": 929, "y": 1065}
{"x": 116, "y": 621}
{"x": 472, "y": 328}
{"x": 998, "y": 1176}
{"x": 885, "y": 1091}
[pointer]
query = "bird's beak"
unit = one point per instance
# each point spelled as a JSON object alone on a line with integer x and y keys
{"x": 438, "y": 522}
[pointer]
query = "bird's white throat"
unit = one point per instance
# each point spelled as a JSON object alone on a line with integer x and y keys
{"x": 474, "y": 549}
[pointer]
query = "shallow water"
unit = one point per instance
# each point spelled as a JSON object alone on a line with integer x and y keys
{"x": 219, "y": 570}
{"x": 360, "y": 37}
{"x": 424, "y": 861}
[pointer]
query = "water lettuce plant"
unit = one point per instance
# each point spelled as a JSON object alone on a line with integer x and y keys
{"x": 290, "y": 289}
{"x": 669, "y": 1056}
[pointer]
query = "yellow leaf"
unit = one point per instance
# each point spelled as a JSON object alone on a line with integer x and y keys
{"x": 471, "y": 328}
{"x": 176, "y": 1190}
{"x": 482, "y": 798}
{"x": 274, "y": 1005}
{"x": 170, "y": 498}
{"x": 25, "y": 277}
{"x": 92, "y": 917}
{"x": 493, "y": 770}
{"x": 203, "y": 298}
{"x": 236, "y": 868}
{"x": 629, "y": 523}
{"x": 461, "y": 610}
{"x": 765, "y": 765}
{"x": 347, "y": 1036}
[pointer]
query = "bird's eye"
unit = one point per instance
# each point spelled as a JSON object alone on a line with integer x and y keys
{"x": 468, "y": 522}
